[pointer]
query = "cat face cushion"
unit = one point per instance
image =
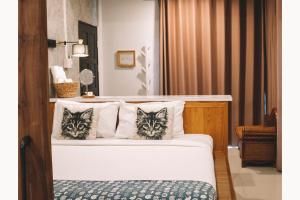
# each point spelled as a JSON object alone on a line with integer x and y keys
{"x": 77, "y": 125}
{"x": 152, "y": 125}
{"x": 75, "y": 122}
{"x": 178, "y": 105}
{"x": 145, "y": 121}
{"x": 105, "y": 113}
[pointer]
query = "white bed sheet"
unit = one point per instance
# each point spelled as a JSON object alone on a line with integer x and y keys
{"x": 189, "y": 157}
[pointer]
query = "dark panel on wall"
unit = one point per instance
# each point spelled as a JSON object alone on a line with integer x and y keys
{"x": 88, "y": 33}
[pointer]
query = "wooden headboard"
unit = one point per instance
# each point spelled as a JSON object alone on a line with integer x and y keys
{"x": 208, "y": 118}
{"x": 205, "y": 117}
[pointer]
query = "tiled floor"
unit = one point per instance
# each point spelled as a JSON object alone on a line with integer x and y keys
{"x": 254, "y": 183}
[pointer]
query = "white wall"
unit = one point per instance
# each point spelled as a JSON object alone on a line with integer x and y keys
{"x": 127, "y": 25}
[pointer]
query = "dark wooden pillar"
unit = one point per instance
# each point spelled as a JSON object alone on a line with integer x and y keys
{"x": 279, "y": 83}
{"x": 33, "y": 100}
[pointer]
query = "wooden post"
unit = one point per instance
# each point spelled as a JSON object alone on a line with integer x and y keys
{"x": 33, "y": 101}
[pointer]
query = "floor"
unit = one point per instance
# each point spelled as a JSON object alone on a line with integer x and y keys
{"x": 253, "y": 183}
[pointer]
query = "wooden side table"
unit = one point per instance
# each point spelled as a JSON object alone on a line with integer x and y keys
{"x": 257, "y": 144}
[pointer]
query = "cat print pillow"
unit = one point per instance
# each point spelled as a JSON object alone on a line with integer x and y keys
{"x": 106, "y": 114}
{"x": 152, "y": 125}
{"x": 145, "y": 121}
{"x": 77, "y": 125}
{"x": 77, "y": 122}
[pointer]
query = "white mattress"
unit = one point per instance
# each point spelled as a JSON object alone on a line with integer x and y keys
{"x": 186, "y": 158}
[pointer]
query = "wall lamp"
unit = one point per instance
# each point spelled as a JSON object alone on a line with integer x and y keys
{"x": 78, "y": 48}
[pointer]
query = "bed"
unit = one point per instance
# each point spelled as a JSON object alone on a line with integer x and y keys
{"x": 195, "y": 162}
{"x": 183, "y": 162}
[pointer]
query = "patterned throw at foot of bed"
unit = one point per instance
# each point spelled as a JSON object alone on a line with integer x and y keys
{"x": 133, "y": 190}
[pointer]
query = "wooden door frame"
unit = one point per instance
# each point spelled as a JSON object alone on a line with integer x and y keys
{"x": 279, "y": 83}
{"x": 33, "y": 100}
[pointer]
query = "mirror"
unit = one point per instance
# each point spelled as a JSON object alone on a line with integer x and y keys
{"x": 86, "y": 77}
{"x": 107, "y": 27}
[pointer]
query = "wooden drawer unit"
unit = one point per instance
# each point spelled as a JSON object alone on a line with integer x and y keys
{"x": 258, "y": 148}
{"x": 257, "y": 143}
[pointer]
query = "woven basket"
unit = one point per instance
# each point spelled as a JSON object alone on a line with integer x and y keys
{"x": 66, "y": 90}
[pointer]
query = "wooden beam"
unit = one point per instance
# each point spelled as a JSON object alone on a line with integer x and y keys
{"x": 223, "y": 177}
{"x": 33, "y": 100}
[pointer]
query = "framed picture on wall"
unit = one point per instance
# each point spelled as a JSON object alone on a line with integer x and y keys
{"x": 126, "y": 58}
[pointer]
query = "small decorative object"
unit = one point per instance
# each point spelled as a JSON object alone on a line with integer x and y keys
{"x": 79, "y": 49}
{"x": 126, "y": 58}
{"x": 146, "y": 69}
{"x": 86, "y": 77}
{"x": 68, "y": 62}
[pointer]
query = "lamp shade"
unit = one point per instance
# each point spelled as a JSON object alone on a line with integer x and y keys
{"x": 79, "y": 49}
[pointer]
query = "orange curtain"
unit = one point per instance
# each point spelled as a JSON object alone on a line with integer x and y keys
{"x": 221, "y": 47}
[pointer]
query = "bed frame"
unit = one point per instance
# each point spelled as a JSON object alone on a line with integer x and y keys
{"x": 206, "y": 117}
{"x": 212, "y": 118}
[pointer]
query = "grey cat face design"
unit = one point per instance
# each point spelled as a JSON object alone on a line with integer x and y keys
{"x": 152, "y": 125}
{"x": 76, "y": 125}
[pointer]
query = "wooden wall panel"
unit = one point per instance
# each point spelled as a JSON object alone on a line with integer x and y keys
{"x": 50, "y": 117}
{"x": 208, "y": 118}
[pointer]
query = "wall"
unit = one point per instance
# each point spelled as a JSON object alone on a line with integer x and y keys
{"x": 55, "y": 27}
{"x": 71, "y": 11}
{"x": 127, "y": 24}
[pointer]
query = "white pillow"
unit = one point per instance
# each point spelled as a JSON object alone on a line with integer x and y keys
{"x": 107, "y": 114}
{"x": 132, "y": 116}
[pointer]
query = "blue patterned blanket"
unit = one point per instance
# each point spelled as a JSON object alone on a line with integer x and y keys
{"x": 133, "y": 190}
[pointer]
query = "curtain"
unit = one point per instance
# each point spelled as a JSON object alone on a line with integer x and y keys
{"x": 215, "y": 47}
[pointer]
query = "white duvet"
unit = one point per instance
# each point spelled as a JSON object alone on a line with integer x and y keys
{"x": 189, "y": 157}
